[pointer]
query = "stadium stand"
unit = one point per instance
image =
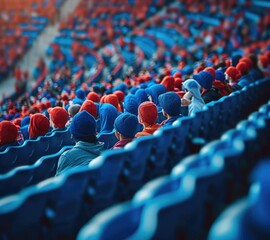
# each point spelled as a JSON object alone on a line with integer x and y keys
{"x": 173, "y": 184}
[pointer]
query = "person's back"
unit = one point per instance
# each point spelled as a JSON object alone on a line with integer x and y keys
{"x": 87, "y": 147}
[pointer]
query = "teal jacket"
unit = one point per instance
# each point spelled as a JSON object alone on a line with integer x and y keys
{"x": 80, "y": 155}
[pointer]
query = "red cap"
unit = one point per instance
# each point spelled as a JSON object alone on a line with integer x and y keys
{"x": 59, "y": 116}
{"x": 148, "y": 113}
{"x": 90, "y": 107}
{"x": 8, "y": 132}
{"x": 93, "y": 96}
{"x": 39, "y": 125}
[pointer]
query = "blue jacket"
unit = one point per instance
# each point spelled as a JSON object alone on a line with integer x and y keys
{"x": 80, "y": 155}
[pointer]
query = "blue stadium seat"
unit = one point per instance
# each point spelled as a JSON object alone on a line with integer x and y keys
{"x": 31, "y": 150}
{"x": 247, "y": 218}
{"x": 118, "y": 222}
{"x": 21, "y": 177}
{"x": 109, "y": 139}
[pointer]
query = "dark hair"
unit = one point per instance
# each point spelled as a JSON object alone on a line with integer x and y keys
{"x": 90, "y": 139}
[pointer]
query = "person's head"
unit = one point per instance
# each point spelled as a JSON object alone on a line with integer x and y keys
{"x": 39, "y": 125}
{"x": 141, "y": 96}
{"x": 131, "y": 104}
{"x": 205, "y": 79}
{"x": 154, "y": 91}
{"x": 107, "y": 115}
{"x": 90, "y": 107}
{"x": 147, "y": 113}
{"x": 242, "y": 67}
{"x": 83, "y": 127}
{"x": 113, "y": 100}
{"x": 8, "y": 132}
{"x": 73, "y": 109}
{"x": 58, "y": 117}
{"x": 220, "y": 76}
{"x": 232, "y": 74}
{"x": 125, "y": 126}
{"x": 93, "y": 96}
{"x": 168, "y": 82}
{"x": 192, "y": 87}
{"x": 170, "y": 103}
{"x": 211, "y": 70}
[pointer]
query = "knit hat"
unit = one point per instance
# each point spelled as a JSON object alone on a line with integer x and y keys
{"x": 141, "y": 96}
{"x": 220, "y": 75}
{"x": 154, "y": 91}
{"x": 242, "y": 68}
{"x": 211, "y": 70}
{"x": 264, "y": 61}
{"x": 248, "y": 61}
{"x": 90, "y": 107}
{"x": 93, "y": 96}
{"x": 168, "y": 83}
{"x": 233, "y": 73}
{"x": 113, "y": 100}
{"x": 131, "y": 104}
{"x": 171, "y": 103}
{"x": 80, "y": 94}
{"x": 205, "y": 79}
{"x": 235, "y": 60}
{"x": 120, "y": 95}
{"x": 59, "y": 116}
{"x": 83, "y": 125}
{"x": 126, "y": 124}
{"x": 74, "y": 109}
{"x": 8, "y": 132}
{"x": 148, "y": 113}
{"x": 39, "y": 125}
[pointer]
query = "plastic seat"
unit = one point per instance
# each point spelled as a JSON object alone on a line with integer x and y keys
{"x": 21, "y": 177}
{"x": 249, "y": 217}
{"x": 118, "y": 222}
{"x": 109, "y": 139}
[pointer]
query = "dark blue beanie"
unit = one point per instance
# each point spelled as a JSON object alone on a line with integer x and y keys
{"x": 235, "y": 59}
{"x": 220, "y": 75}
{"x": 83, "y": 125}
{"x": 126, "y": 124}
{"x": 171, "y": 103}
{"x": 205, "y": 79}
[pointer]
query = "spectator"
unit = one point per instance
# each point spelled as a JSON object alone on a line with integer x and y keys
{"x": 224, "y": 88}
{"x": 153, "y": 92}
{"x": 87, "y": 147}
{"x": 147, "y": 117}
{"x": 8, "y": 135}
{"x": 58, "y": 118}
{"x": 208, "y": 92}
{"x": 245, "y": 78}
{"x": 141, "y": 96}
{"x": 125, "y": 129}
{"x": 232, "y": 75}
{"x": 171, "y": 107}
{"x": 39, "y": 125}
{"x": 72, "y": 111}
{"x": 193, "y": 96}
{"x": 107, "y": 115}
{"x": 90, "y": 107}
{"x": 131, "y": 104}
